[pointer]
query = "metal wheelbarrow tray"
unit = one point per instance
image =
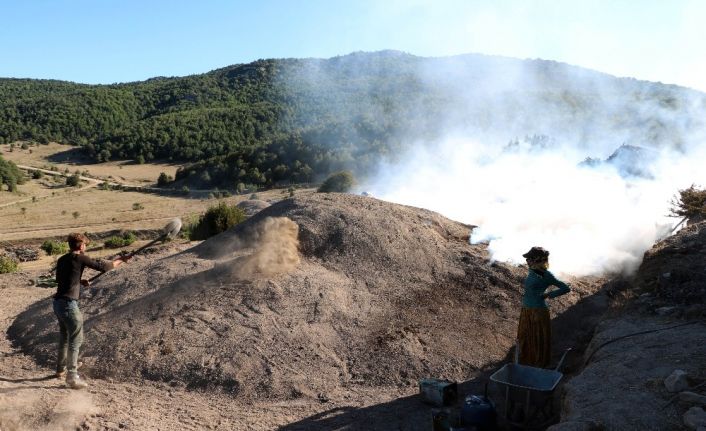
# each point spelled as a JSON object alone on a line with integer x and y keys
{"x": 531, "y": 388}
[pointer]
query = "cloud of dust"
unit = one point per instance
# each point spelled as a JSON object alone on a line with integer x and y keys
{"x": 275, "y": 242}
{"x": 38, "y": 412}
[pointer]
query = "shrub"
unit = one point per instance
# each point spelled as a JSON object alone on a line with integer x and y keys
{"x": 73, "y": 180}
{"x": 37, "y": 174}
{"x": 123, "y": 240}
{"x": 75, "y": 214}
{"x": 690, "y": 203}
{"x": 137, "y": 206}
{"x": 7, "y": 264}
{"x": 340, "y": 182}
{"x": 164, "y": 180}
{"x": 52, "y": 247}
{"x": 215, "y": 220}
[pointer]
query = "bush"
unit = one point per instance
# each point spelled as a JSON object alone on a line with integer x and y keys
{"x": 73, "y": 180}
{"x": 137, "y": 206}
{"x": 690, "y": 203}
{"x": 37, "y": 174}
{"x": 123, "y": 240}
{"x": 52, "y": 247}
{"x": 217, "y": 219}
{"x": 164, "y": 180}
{"x": 340, "y": 182}
{"x": 75, "y": 214}
{"x": 7, "y": 264}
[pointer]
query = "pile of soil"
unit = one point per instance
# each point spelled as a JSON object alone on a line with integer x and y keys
{"x": 311, "y": 294}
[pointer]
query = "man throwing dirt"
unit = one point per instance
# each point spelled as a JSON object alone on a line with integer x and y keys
{"x": 69, "y": 270}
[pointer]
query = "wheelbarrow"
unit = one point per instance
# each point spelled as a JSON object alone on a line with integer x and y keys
{"x": 529, "y": 393}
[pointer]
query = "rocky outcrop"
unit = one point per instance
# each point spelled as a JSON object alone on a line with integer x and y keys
{"x": 647, "y": 360}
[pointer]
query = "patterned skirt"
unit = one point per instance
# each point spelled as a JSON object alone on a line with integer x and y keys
{"x": 534, "y": 334}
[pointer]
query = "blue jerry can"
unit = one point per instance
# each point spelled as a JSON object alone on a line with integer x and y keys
{"x": 478, "y": 411}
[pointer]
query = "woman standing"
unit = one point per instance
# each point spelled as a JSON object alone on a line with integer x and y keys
{"x": 534, "y": 332}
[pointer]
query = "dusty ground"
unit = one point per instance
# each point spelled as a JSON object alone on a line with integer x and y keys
{"x": 241, "y": 333}
{"x": 31, "y": 399}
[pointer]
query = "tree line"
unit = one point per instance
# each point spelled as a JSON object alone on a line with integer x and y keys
{"x": 292, "y": 120}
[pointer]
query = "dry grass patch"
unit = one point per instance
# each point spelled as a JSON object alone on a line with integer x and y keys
{"x": 66, "y": 157}
{"x": 95, "y": 210}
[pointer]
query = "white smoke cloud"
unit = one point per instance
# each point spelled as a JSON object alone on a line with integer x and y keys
{"x": 591, "y": 219}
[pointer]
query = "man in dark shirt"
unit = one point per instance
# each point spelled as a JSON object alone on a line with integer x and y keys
{"x": 69, "y": 269}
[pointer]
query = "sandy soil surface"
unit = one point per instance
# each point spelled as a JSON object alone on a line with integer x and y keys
{"x": 32, "y": 399}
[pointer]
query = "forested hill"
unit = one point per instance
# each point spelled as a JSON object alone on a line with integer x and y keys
{"x": 295, "y": 120}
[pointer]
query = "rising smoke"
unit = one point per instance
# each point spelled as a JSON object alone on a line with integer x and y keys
{"x": 506, "y": 155}
{"x": 592, "y": 219}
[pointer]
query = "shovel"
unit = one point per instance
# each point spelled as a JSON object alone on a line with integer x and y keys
{"x": 169, "y": 231}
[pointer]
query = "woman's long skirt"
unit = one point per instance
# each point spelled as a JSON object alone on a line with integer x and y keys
{"x": 535, "y": 337}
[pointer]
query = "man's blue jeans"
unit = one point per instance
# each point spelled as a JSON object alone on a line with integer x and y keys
{"x": 70, "y": 334}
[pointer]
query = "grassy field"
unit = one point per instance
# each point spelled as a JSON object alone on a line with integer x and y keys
{"x": 67, "y": 157}
{"x": 46, "y": 207}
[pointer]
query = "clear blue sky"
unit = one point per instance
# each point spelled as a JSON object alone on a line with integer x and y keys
{"x": 105, "y": 41}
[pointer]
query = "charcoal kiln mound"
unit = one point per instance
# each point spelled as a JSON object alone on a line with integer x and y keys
{"x": 311, "y": 294}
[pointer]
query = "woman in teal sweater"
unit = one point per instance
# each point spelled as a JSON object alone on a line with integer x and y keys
{"x": 534, "y": 332}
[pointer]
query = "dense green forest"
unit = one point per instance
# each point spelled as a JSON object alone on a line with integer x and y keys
{"x": 296, "y": 120}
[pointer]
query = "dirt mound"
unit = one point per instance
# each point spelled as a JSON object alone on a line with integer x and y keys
{"x": 377, "y": 294}
{"x": 252, "y": 206}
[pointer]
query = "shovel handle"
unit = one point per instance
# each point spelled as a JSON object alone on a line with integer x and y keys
{"x": 561, "y": 361}
{"x": 149, "y": 244}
